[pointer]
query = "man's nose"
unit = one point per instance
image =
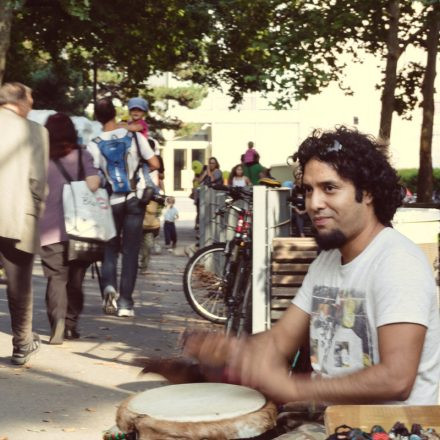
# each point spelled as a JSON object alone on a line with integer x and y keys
{"x": 315, "y": 201}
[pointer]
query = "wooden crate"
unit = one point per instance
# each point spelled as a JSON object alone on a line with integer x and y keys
{"x": 290, "y": 260}
{"x": 366, "y": 416}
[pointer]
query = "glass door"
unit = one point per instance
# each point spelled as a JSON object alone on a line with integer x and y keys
{"x": 180, "y": 159}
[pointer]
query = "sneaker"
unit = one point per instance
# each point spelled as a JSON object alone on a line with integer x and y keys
{"x": 109, "y": 305}
{"x": 21, "y": 354}
{"x": 125, "y": 312}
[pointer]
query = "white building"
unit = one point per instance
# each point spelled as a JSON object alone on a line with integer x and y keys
{"x": 277, "y": 134}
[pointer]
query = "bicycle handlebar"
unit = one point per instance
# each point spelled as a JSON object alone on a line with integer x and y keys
{"x": 236, "y": 192}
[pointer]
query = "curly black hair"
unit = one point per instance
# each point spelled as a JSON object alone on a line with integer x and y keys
{"x": 359, "y": 158}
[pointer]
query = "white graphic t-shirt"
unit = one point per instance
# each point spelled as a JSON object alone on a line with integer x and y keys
{"x": 389, "y": 282}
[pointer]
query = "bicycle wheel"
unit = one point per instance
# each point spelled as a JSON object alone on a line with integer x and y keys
{"x": 239, "y": 317}
{"x": 204, "y": 282}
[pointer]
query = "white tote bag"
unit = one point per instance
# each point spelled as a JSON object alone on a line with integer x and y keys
{"x": 87, "y": 214}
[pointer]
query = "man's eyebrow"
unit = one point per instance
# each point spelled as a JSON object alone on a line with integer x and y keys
{"x": 324, "y": 183}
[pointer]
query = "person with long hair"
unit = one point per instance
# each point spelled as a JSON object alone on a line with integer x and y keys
{"x": 237, "y": 177}
{"x": 211, "y": 174}
{"x": 64, "y": 294}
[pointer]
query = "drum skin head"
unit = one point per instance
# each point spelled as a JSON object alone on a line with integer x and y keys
{"x": 197, "y": 411}
{"x": 201, "y": 402}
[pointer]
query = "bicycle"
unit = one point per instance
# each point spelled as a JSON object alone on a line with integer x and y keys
{"x": 217, "y": 279}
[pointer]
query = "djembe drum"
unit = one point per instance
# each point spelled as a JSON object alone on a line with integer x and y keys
{"x": 197, "y": 411}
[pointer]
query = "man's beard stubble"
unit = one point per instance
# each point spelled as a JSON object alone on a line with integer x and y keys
{"x": 333, "y": 240}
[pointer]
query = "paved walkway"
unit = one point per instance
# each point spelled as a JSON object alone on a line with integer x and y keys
{"x": 71, "y": 391}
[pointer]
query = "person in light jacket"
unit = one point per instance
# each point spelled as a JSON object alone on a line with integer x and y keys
{"x": 24, "y": 156}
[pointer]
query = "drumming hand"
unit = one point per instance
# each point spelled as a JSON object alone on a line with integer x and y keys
{"x": 175, "y": 370}
{"x": 259, "y": 364}
{"x": 208, "y": 348}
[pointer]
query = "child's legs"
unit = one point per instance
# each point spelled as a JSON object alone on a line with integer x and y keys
{"x": 173, "y": 234}
{"x": 167, "y": 232}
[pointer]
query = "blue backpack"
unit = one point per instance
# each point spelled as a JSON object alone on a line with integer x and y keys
{"x": 115, "y": 151}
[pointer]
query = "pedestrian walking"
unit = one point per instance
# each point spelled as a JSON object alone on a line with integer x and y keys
{"x": 151, "y": 227}
{"x": 24, "y": 157}
{"x": 170, "y": 216}
{"x": 115, "y": 152}
{"x": 64, "y": 294}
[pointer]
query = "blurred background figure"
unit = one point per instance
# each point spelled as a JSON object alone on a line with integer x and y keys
{"x": 64, "y": 294}
{"x": 151, "y": 227}
{"x": 170, "y": 216}
{"x": 299, "y": 211}
{"x": 251, "y": 156}
{"x": 237, "y": 177}
{"x": 211, "y": 174}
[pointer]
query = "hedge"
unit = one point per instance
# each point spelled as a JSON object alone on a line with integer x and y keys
{"x": 409, "y": 176}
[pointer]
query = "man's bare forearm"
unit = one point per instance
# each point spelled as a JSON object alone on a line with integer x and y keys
{"x": 370, "y": 385}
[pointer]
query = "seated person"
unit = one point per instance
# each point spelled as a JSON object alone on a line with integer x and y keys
{"x": 371, "y": 324}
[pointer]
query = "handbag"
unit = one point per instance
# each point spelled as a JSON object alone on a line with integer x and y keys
{"x": 88, "y": 217}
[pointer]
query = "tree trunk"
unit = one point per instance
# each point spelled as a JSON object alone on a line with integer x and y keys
{"x": 5, "y": 34}
{"x": 95, "y": 84}
{"x": 393, "y": 54}
{"x": 425, "y": 178}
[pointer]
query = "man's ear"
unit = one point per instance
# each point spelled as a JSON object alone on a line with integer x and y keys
{"x": 367, "y": 197}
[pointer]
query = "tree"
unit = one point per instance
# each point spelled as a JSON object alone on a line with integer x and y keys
{"x": 5, "y": 33}
{"x": 289, "y": 48}
{"x": 425, "y": 178}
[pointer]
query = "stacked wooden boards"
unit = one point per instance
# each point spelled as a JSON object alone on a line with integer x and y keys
{"x": 291, "y": 258}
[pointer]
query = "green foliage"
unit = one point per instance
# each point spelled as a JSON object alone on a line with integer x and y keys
{"x": 409, "y": 178}
{"x": 287, "y": 49}
{"x": 60, "y": 88}
{"x": 188, "y": 129}
{"x": 190, "y": 97}
{"x": 77, "y": 8}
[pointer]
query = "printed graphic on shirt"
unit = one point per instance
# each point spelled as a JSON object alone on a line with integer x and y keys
{"x": 340, "y": 338}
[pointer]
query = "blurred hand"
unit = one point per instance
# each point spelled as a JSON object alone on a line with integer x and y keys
{"x": 251, "y": 361}
{"x": 209, "y": 348}
{"x": 258, "y": 363}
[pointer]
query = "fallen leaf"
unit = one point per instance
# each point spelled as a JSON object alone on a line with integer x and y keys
{"x": 47, "y": 420}
{"x": 91, "y": 409}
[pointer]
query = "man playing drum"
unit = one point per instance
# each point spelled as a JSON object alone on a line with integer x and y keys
{"x": 368, "y": 305}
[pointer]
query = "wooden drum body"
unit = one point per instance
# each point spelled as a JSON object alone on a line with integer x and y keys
{"x": 197, "y": 411}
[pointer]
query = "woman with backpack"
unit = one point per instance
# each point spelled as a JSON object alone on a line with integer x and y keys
{"x": 64, "y": 295}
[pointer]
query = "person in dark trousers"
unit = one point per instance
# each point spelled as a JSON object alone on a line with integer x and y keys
{"x": 64, "y": 294}
{"x": 24, "y": 157}
{"x": 128, "y": 211}
{"x": 170, "y": 216}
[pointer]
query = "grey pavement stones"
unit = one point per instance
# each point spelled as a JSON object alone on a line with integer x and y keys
{"x": 72, "y": 391}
